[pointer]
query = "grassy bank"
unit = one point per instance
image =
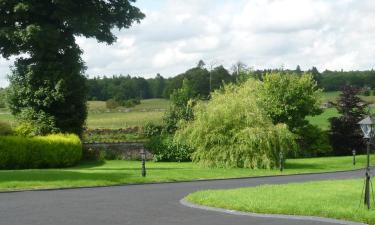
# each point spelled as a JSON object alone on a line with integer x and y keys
{"x": 332, "y": 199}
{"x": 126, "y": 172}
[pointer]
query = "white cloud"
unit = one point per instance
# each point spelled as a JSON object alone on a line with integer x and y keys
{"x": 262, "y": 33}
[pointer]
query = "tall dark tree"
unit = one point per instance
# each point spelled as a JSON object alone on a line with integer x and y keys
{"x": 47, "y": 86}
{"x": 298, "y": 70}
{"x": 345, "y": 132}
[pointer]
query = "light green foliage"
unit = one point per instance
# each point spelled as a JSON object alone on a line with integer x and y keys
{"x": 333, "y": 199}
{"x": 233, "y": 130}
{"x": 289, "y": 98}
{"x": 58, "y": 150}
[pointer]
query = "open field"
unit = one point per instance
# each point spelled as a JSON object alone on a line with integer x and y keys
{"x": 122, "y": 120}
{"x": 156, "y": 104}
{"x": 333, "y": 199}
{"x": 126, "y": 172}
{"x": 333, "y": 95}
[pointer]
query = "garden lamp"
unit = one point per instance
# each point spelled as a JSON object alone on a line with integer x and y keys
{"x": 367, "y": 127}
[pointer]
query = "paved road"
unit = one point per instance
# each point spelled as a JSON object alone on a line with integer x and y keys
{"x": 152, "y": 204}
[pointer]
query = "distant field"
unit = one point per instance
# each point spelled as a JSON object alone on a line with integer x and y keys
{"x": 333, "y": 95}
{"x": 146, "y": 105}
{"x": 123, "y": 119}
{"x": 150, "y": 110}
{"x": 322, "y": 120}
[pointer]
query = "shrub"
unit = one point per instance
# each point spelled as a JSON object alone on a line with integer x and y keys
{"x": 151, "y": 129}
{"x": 5, "y": 128}
{"x": 24, "y": 129}
{"x": 131, "y": 102}
{"x": 32, "y": 123}
{"x": 232, "y": 130}
{"x": 52, "y": 151}
{"x": 111, "y": 104}
{"x": 313, "y": 142}
{"x": 165, "y": 149}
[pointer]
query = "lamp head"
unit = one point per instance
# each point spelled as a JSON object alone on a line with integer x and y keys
{"x": 367, "y": 126}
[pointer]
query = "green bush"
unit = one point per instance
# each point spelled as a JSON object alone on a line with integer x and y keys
{"x": 233, "y": 130}
{"x": 165, "y": 150}
{"x": 111, "y": 104}
{"x": 151, "y": 129}
{"x": 5, "y": 128}
{"x": 33, "y": 123}
{"x": 52, "y": 151}
{"x": 313, "y": 142}
{"x": 131, "y": 102}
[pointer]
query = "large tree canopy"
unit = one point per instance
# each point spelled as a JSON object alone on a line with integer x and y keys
{"x": 48, "y": 81}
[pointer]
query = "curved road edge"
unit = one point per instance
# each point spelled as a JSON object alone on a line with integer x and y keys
{"x": 274, "y": 216}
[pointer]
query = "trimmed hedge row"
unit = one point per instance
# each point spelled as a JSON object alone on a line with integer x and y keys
{"x": 52, "y": 151}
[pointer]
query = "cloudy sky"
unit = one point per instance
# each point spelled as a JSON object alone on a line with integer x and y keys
{"x": 261, "y": 33}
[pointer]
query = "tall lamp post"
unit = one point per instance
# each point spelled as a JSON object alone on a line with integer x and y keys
{"x": 367, "y": 126}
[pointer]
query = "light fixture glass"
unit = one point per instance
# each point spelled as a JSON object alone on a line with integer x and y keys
{"x": 367, "y": 130}
{"x": 367, "y": 127}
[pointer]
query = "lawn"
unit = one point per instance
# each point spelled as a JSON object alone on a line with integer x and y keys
{"x": 332, "y": 199}
{"x": 128, "y": 172}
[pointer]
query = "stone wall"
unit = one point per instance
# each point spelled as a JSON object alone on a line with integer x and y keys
{"x": 121, "y": 150}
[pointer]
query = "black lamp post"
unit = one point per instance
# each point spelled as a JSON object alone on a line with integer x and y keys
{"x": 143, "y": 158}
{"x": 367, "y": 126}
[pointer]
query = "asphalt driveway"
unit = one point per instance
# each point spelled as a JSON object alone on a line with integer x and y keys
{"x": 149, "y": 204}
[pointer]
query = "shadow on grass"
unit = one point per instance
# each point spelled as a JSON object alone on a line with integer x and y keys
{"x": 302, "y": 166}
{"x": 63, "y": 176}
{"x": 136, "y": 168}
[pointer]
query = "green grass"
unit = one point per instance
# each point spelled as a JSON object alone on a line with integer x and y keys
{"x": 123, "y": 120}
{"x": 156, "y": 104}
{"x": 322, "y": 120}
{"x": 332, "y": 199}
{"x": 127, "y": 172}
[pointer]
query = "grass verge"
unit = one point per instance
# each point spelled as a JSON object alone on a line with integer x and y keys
{"x": 129, "y": 172}
{"x": 331, "y": 199}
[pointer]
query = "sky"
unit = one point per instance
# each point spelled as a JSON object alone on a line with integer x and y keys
{"x": 176, "y": 34}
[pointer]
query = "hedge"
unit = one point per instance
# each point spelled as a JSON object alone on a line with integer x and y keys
{"x": 52, "y": 151}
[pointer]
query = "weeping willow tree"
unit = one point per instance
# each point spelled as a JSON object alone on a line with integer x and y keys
{"x": 232, "y": 130}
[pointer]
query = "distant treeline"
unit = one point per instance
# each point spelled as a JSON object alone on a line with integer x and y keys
{"x": 202, "y": 80}
{"x": 122, "y": 88}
